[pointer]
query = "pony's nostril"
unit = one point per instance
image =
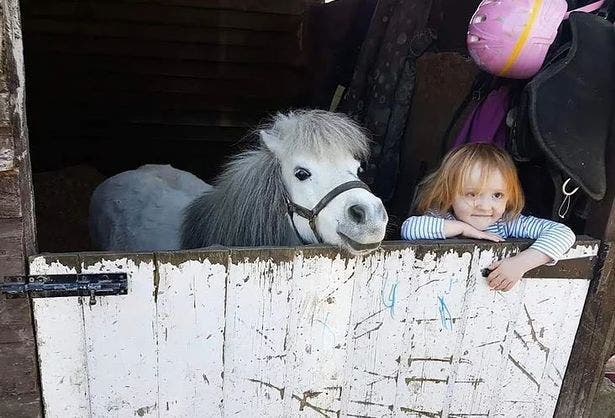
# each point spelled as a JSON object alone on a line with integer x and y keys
{"x": 357, "y": 213}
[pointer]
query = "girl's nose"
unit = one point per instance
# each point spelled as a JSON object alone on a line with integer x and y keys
{"x": 481, "y": 203}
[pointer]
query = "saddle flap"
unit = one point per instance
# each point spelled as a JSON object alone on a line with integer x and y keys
{"x": 571, "y": 103}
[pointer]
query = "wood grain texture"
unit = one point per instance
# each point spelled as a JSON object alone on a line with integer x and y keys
{"x": 19, "y": 388}
{"x": 411, "y": 330}
{"x": 593, "y": 343}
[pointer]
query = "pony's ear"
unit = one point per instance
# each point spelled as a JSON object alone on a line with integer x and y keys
{"x": 273, "y": 143}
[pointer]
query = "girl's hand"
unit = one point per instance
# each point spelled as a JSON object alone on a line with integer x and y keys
{"x": 505, "y": 274}
{"x": 453, "y": 228}
{"x": 471, "y": 232}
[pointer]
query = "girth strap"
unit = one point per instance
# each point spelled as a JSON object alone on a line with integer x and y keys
{"x": 311, "y": 214}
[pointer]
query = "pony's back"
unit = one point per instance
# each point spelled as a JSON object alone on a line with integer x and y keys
{"x": 142, "y": 209}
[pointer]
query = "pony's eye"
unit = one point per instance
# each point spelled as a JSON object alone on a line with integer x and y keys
{"x": 302, "y": 174}
{"x": 361, "y": 169}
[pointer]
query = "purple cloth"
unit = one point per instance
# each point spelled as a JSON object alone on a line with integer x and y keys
{"x": 487, "y": 121}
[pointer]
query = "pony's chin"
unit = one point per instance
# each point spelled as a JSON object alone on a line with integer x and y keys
{"x": 355, "y": 247}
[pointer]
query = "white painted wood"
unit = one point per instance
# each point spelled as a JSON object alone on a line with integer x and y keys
{"x": 481, "y": 357}
{"x": 380, "y": 300}
{"x": 436, "y": 322}
{"x": 60, "y": 341}
{"x": 395, "y": 333}
{"x": 121, "y": 342}
{"x": 321, "y": 300}
{"x": 550, "y": 309}
{"x": 190, "y": 328}
{"x": 255, "y": 342}
{"x": 560, "y": 351}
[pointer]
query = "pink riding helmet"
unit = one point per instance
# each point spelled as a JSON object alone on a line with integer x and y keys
{"x": 510, "y": 38}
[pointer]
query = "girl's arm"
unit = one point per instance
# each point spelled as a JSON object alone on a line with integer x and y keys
{"x": 431, "y": 227}
{"x": 553, "y": 239}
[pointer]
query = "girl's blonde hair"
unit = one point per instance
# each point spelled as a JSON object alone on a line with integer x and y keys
{"x": 439, "y": 189}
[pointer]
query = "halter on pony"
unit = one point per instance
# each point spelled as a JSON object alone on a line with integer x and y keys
{"x": 311, "y": 215}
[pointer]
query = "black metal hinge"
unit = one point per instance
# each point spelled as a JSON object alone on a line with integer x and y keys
{"x": 57, "y": 285}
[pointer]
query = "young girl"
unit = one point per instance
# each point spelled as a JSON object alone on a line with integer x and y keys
{"x": 476, "y": 193}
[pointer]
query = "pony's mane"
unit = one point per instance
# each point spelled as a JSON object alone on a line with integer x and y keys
{"x": 246, "y": 206}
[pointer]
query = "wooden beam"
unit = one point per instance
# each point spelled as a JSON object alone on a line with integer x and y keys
{"x": 19, "y": 389}
{"x": 593, "y": 342}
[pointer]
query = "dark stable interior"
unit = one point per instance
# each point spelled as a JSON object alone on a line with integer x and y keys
{"x": 112, "y": 85}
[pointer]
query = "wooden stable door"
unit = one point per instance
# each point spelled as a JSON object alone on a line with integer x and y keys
{"x": 409, "y": 330}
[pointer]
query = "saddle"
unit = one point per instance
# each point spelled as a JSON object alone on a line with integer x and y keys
{"x": 566, "y": 110}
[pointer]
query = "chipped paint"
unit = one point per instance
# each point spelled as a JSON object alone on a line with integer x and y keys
{"x": 406, "y": 330}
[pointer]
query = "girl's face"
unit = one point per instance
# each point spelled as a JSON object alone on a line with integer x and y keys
{"x": 481, "y": 202}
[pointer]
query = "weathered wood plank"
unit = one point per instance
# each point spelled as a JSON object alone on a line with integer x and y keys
{"x": 413, "y": 330}
{"x": 165, "y": 15}
{"x": 113, "y": 387}
{"x": 19, "y": 389}
{"x": 289, "y": 55}
{"x": 318, "y": 332}
{"x": 25, "y": 405}
{"x": 593, "y": 343}
{"x": 293, "y": 7}
{"x": 190, "y": 308}
{"x": 60, "y": 339}
{"x": 7, "y": 149}
{"x": 11, "y": 247}
{"x": 255, "y": 343}
{"x": 10, "y": 197}
{"x": 17, "y": 350}
{"x": 371, "y": 371}
{"x": 486, "y": 343}
{"x": 526, "y": 382}
{"x": 60, "y": 64}
{"x": 436, "y": 319}
{"x": 167, "y": 33}
{"x": 12, "y": 71}
{"x": 561, "y": 349}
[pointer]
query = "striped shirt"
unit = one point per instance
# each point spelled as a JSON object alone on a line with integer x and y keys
{"x": 552, "y": 238}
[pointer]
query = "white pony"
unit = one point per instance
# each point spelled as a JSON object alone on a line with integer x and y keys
{"x": 299, "y": 185}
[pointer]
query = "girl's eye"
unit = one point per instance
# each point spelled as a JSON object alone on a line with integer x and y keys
{"x": 498, "y": 195}
{"x": 302, "y": 174}
{"x": 470, "y": 194}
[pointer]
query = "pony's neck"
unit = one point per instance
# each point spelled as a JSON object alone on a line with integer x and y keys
{"x": 245, "y": 208}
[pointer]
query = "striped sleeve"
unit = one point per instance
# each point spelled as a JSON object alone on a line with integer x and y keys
{"x": 423, "y": 227}
{"x": 552, "y": 238}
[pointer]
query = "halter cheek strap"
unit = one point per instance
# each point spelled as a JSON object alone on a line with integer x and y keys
{"x": 311, "y": 215}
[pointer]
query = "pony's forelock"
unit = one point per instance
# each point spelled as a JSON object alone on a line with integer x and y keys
{"x": 319, "y": 133}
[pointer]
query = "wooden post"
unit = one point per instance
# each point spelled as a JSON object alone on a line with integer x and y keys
{"x": 595, "y": 337}
{"x": 19, "y": 389}
{"x": 593, "y": 341}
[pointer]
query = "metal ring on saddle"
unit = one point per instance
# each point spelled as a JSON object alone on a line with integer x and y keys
{"x": 565, "y": 205}
{"x": 311, "y": 214}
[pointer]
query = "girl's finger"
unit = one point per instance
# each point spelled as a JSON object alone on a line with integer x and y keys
{"x": 509, "y": 287}
{"x": 495, "y": 282}
{"x": 495, "y": 272}
{"x": 504, "y": 285}
{"x": 495, "y": 238}
{"x": 495, "y": 265}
